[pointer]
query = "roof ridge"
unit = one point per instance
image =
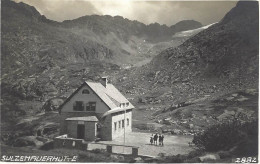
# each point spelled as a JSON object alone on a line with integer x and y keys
{"x": 112, "y": 99}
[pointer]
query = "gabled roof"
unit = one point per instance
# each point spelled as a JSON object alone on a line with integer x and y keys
{"x": 109, "y": 95}
{"x": 101, "y": 91}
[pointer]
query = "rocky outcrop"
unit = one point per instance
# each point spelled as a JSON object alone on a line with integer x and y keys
{"x": 52, "y": 104}
{"x": 185, "y": 25}
{"x": 209, "y": 158}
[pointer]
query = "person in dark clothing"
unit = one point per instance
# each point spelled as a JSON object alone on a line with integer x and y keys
{"x": 162, "y": 137}
{"x": 160, "y": 140}
{"x": 155, "y": 138}
{"x": 151, "y": 140}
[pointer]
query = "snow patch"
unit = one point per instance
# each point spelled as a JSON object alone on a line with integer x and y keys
{"x": 191, "y": 32}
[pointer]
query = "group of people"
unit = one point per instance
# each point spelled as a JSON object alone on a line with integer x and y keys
{"x": 154, "y": 138}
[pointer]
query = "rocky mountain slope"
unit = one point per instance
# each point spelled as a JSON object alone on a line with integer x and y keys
{"x": 43, "y": 59}
{"x": 222, "y": 57}
{"x": 217, "y": 61}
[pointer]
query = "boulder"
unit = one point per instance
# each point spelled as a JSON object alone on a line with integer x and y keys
{"x": 46, "y": 129}
{"x": 229, "y": 98}
{"x": 193, "y": 160}
{"x": 117, "y": 157}
{"x": 191, "y": 126}
{"x": 138, "y": 160}
{"x": 251, "y": 91}
{"x": 242, "y": 98}
{"x": 209, "y": 157}
{"x": 166, "y": 122}
{"x": 224, "y": 154}
{"x": 52, "y": 104}
{"x": 142, "y": 100}
{"x": 42, "y": 139}
{"x": 47, "y": 146}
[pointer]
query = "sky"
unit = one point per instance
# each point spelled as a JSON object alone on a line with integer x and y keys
{"x": 163, "y": 12}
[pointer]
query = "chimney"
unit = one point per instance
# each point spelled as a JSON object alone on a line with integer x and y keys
{"x": 104, "y": 81}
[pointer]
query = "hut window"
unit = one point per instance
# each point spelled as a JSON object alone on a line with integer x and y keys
{"x": 78, "y": 106}
{"x": 85, "y": 91}
{"x": 91, "y": 106}
{"x": 123, "y": 123}
{"x": 119, "y": 124}
{"x": 127, "y": 104}
{"x": 127, "y": 122}
{"x": 115, "y": 125}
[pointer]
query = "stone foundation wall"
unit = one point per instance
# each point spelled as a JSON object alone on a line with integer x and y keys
{"x": 69, "y": 143}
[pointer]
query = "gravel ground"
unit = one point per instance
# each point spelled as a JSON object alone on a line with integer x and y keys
{"x": 173, "y": 144}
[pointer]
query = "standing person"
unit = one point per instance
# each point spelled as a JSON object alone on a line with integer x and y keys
{"x": 151, "y": 139}
{"x": 155, "y": 138}
{"x": 162, "y": 139}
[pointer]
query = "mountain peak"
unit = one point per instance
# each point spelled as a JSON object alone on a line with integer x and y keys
{"x": 243, "y": 10}
{"x": 186, "y": 25}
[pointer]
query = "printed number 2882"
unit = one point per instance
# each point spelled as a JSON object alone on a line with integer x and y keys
{"x": 246, "y": 160}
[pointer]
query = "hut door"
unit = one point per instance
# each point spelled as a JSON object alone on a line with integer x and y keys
{"x": 81, "y": 131}
{"x": 98, "y": 128}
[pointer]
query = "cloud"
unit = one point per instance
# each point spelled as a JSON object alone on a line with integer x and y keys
{"x": 163, "y": 12}
{"x": 60, "y": 10}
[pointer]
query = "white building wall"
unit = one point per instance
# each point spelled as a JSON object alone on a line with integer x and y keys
{"x": 101, "y": 107}
{"x": 119, "y": 131}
